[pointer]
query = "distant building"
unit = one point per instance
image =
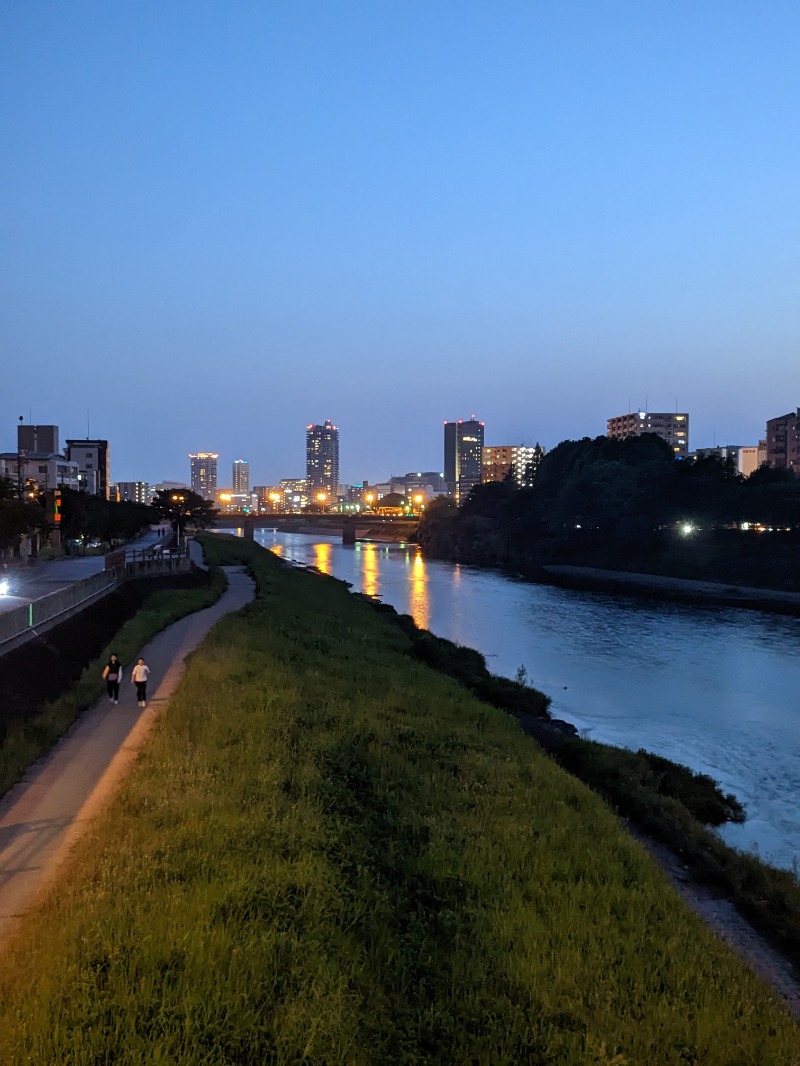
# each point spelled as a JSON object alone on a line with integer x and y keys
{"x": 40, "y": 472}
{"x": 38, "y": 440}
{"x": 428, "y": 483}
{"x": 673, "y": 428}
{"x": 92, "y": 457}
{"x": 322, "y": 461}
{"x": 392, "y": 504}
{"x": 745, "y": 457}
{"x": 463, "y": 457}
{"x": 133, "y": 492}
{"x": 500, "y": 460}
{"x": 783, "y": 441}
{"x": 237, "y": 502}
{"x": 241, "y": 476}
{"x": 204, "y": 474}
{"x": 295, "y": 493}
{"x": 168, "y": 486}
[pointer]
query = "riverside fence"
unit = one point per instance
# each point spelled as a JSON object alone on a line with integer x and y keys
{"x": 32, "y": 619}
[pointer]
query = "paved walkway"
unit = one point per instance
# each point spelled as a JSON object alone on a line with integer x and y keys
{"x": 40, "y": 579}
{"x": 42, "y": 816}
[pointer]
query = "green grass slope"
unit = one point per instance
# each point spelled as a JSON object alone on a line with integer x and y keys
{"x": 330, "y": 854}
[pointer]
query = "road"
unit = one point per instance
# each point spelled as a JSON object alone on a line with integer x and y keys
{"x": 42, "y": 816}
{"x": 39, "y": 580}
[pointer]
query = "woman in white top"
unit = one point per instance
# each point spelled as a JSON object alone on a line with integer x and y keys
{"x": 139, "y": 675}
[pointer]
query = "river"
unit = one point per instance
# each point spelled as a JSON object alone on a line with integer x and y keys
{"x": 713, "y": 688}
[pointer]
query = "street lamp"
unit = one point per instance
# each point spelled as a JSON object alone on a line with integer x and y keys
{"x": 274, "y": 499}
{"x": 418, "y": 502}
{"x": 368, "y": 499}
{"x": 179, "y": 501}
{"x": 321, "y": 498}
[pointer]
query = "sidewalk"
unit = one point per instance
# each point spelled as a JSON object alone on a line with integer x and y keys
{"x": 42, "y": 816}
{"x": 33, "y": 582}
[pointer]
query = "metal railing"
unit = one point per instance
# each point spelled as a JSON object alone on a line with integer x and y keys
{"x": 26, "y": 621}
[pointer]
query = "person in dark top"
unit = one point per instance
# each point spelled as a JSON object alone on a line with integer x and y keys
{"x": 112, "y": 676}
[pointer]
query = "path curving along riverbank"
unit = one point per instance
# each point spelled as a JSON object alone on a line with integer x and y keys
{"x": 43, "y": 816}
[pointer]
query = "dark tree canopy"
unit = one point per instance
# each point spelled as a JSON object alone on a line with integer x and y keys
{"x": 182, "y": 507}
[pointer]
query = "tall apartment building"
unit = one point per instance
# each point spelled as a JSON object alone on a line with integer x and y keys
{"x": 463, "y": 457}
{"x": 92, "y": 457}
{"x": 783, "y": 441}
{"x": 499, "y": 460}
{"x": 204, "y": 474}
{"x": 241, "y": 476}
{"x": 673, "y": 428}
{"x": 322, "y": 460}
{"x": 133, "y": 492}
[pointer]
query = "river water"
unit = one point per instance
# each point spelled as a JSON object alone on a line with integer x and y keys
{"x": 713, "y": 688}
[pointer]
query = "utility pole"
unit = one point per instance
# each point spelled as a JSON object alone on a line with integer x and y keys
{"x": 20, "y": 479}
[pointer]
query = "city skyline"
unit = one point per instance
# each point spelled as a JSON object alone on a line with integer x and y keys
{"x": 245, "y": 479}
{"x": 550, "y": 211}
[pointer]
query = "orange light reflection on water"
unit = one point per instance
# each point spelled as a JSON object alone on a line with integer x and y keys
{"x": 369, "y": 568}
{"x": 322, "y": 557}
{"x": 419, "y": 601}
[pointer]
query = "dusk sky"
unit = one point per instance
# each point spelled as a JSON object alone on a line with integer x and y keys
{"x": 222, "y": 221}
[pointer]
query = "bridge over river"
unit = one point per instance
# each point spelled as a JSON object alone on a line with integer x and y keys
{"x": 350, "y": 527}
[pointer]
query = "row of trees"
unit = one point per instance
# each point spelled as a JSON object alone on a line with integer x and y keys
{"x": 91, "y": 518}
{"x": 602, "y": 499}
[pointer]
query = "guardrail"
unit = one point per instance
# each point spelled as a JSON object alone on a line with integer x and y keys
{"x": 35, "y": 617}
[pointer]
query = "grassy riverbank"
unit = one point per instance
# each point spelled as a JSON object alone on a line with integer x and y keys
{"x": 330, "y": 853}
{"x": 26, "y": 740}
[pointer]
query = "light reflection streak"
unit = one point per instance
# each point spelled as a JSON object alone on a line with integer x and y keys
{"x": 419, "y": 598}
{"x": 370, "y": 569}
{"x": 322, "y": 557}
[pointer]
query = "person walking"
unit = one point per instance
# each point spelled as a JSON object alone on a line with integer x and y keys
{"x": 112, "y": 676}
{"x": 139, "y": 676}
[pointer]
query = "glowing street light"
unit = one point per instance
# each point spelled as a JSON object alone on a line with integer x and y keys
{"x": 418, "y": 503}
{"x": 178, "y": 500}
{"x": 368, "y": 499}
{"x": 274, "y": 499}
{"x": 321, "y": 498}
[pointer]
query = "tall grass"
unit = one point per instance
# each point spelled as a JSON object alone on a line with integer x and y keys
{"x": 330, "y": 854}
{"x": 26, "y": 740}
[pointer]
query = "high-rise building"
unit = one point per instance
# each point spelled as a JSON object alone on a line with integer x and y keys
{"x": 241, "y": 476}
{"x": 673, "y": 428}
{"x": 204, "y": 474}
{"x": 322, "y": 460}
{"x": 37, "y": 440}
{"x": 463, "y": 455}
{"x": 518, "y": 460}
{"x": 92, "y": 458}
{"x": 783, "y": 441}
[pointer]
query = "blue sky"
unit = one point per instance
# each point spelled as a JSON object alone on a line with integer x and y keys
{"x": 223, "y": 221}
